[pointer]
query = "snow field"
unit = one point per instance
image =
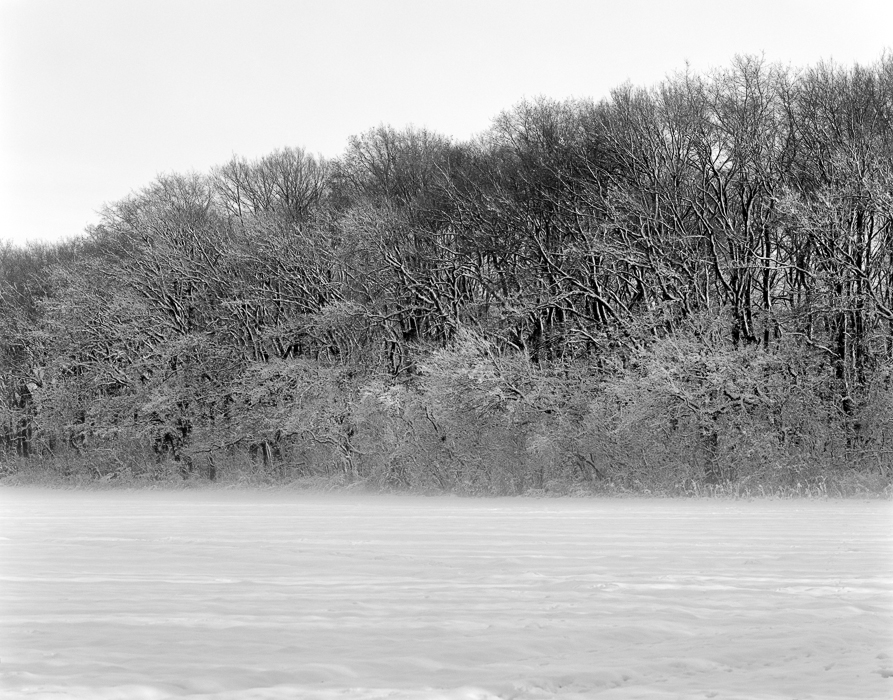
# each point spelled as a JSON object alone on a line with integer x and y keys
{"x": 233, "y": 595}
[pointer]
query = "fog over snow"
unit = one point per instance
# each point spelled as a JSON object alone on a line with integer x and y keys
{"x": 240, "y": 594}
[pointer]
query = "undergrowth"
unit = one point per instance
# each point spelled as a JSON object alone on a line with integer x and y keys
{"x": 109, "y": 471}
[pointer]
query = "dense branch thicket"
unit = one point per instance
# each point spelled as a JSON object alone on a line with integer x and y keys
{"x": 665, "y": 289}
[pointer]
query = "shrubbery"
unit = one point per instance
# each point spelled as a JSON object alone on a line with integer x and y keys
{"x": 686, "y": 415}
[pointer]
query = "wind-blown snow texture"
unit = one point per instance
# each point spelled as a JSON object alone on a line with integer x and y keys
{"x": 228, "y": 595}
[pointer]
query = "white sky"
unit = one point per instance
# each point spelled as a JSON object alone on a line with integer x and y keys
{"x": 97, "y": 97}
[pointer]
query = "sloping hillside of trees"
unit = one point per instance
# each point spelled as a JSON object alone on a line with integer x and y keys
{"x": 668, "y": 289}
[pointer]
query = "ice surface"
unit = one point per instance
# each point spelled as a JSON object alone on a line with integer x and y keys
{"x": 237, "y": 594}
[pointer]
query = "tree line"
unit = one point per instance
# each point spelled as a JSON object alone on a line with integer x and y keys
{"x": 669, "y": 287}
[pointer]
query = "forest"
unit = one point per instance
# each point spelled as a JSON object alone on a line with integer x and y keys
{"x": 669, "y": 290}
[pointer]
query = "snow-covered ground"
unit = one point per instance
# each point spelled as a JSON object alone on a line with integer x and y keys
{"x": 240, "y": 594}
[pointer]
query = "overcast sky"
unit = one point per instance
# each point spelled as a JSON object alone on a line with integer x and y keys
{"x": 97, "y": 97}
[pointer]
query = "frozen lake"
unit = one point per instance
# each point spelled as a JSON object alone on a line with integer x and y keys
{"x": 240, "y": 594}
